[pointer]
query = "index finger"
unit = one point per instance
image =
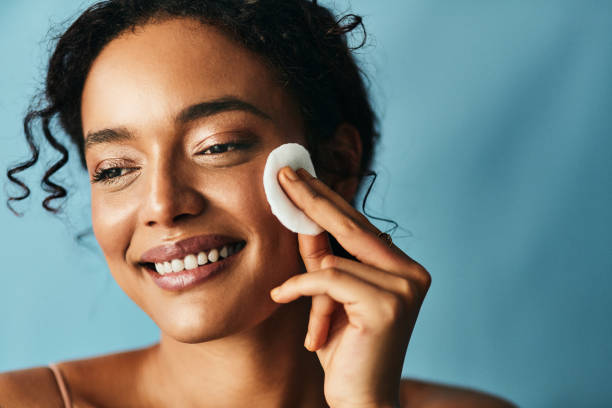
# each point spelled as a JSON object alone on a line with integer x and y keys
{"x": 355, "y": 233}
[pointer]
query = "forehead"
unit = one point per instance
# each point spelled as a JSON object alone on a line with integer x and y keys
{"x": 148, "y": 75}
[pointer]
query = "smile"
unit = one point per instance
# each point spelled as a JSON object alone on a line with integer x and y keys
{"x": 183, "y": 264}
{"x": 192, "y": 261}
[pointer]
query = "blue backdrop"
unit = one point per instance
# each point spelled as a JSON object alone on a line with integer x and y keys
{"x": 496, "y": 159}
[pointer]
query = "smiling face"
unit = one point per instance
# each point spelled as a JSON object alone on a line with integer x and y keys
{"x": 159, "y": 108}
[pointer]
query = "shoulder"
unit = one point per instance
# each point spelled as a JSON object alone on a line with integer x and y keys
{"x": 88, "y": 381}
{"x": 16, "y": 388}
{"x": 106, "y": 379}
{"x": 425, "y": 394}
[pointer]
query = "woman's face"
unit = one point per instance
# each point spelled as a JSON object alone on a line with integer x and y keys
{"x": 161, "y": 180}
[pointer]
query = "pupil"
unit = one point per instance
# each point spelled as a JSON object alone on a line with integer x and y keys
{"x": 114, "y": 172}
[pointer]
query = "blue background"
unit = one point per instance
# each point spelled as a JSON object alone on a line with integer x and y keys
{"x": 496, "y": 160}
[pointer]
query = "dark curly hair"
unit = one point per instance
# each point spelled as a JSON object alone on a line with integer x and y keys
{"x": 300, "y": 40}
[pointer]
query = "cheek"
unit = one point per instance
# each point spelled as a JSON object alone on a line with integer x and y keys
{"x": 234, "y": 201}
{"x": 111, "y": 224}
{"x": 274, "y": 248}
{"x": 249, "y": 200}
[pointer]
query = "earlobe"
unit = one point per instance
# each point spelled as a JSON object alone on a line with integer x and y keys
{"x": 347, "y": 142}
{"x": 342, "y": 155}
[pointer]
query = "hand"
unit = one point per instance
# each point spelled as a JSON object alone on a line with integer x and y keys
{"x": 362, "y": 313}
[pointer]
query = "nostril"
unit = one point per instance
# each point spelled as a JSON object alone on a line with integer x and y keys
{"x": 182, "y": 217}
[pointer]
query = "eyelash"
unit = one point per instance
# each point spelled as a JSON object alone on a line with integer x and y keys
{"x": 103, "y": 175}
{"x": 236, "y": 145}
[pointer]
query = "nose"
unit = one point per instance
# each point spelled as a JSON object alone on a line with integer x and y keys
{"x": 171, "y": 196}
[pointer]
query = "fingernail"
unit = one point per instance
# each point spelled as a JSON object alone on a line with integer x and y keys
{"x": 307, "y": 341}
{"x": 290, "y": 174}
{"x": 275, "y": 292}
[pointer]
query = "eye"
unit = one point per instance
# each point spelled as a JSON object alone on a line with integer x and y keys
{"x": 110, "y": 174}
{"x": 222, "y": 148}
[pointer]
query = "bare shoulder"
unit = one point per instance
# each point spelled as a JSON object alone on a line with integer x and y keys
{"x": 417, "y": 393}
{"x": 87, "y": 380}
{"x": 29, "y": 388}
{"x": 104, "y": 380}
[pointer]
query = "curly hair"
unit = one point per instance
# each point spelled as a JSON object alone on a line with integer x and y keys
{"x": 300, "y": 40}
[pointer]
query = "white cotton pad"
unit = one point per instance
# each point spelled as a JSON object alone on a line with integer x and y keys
{"x": 295, "y": 156}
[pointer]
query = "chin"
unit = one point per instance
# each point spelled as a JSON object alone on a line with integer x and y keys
{"x": 197, "y": 327}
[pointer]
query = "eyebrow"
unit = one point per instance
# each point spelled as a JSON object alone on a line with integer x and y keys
{"x": 189, "y": 114}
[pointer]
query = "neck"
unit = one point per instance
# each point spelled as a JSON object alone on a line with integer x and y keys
{"x": 263, "y": 366}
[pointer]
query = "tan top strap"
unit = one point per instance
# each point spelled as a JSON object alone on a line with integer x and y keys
{"x": 61, "y": 384}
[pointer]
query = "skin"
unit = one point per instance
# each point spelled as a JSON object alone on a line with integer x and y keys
{"x": 335, "y": 331}
{"x": 177, "y": 192}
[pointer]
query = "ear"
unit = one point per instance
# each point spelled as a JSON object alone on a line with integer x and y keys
{"x": 342, "y": 156}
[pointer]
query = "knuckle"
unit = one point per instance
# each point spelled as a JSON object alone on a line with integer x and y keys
{"x": 329, "y": 261}
{"x": 315, "y": 198}
{"x": 332, "y": 273}
{"x": 393, "y": 308}
{"x": 317, "y": 254}
{"x": 424, "y": 277}
{"x": 405, "y": 288}
{"x": 349, "y": 226}
{"x": 420, "y": 275}
{"x": 364, "y": 329}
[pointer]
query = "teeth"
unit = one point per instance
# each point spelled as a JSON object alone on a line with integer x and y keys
{"x": 202, "y": 258}
{"x": 192, "y": 261}
{"x": 177, "y": 265}
{"x": 224, "y": 252}
{"x": 213, "y": 255}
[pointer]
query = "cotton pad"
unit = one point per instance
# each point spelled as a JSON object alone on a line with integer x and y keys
{"x": 295, "y": 156}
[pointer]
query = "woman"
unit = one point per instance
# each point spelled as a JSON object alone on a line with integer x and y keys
{"x": 174, "y": 107}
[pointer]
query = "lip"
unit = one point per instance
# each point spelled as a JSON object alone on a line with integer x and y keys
{"x": 181, "y": 249}
{"x": 177, "y": 281}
